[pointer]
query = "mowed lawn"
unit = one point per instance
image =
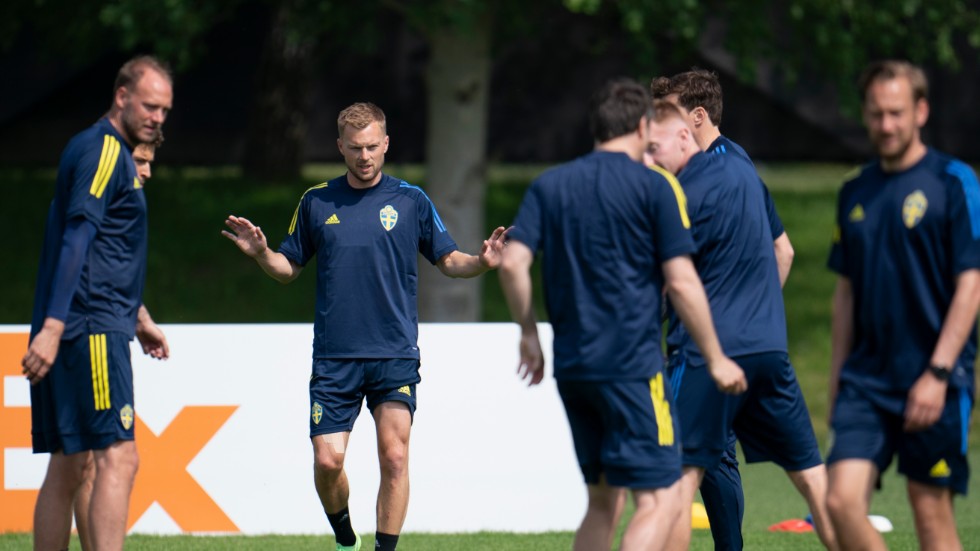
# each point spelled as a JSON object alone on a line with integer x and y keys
{"x": 196, "y": 276}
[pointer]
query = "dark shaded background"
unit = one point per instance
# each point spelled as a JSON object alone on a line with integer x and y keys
{"x": 539, "y": 88}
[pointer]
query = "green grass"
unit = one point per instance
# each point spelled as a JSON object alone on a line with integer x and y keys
{"x": 195, "y": 275}
{"x": 769, "y": 498}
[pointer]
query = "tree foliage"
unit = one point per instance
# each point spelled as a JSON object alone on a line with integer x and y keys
{"x": 806, "y": 40}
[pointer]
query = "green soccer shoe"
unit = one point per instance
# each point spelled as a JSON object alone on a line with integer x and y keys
{"x": 355, "y": 547}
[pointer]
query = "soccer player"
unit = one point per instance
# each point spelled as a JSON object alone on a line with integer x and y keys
{"x": 613, "y": 234}
{"x": 698, "y": 94}
{"x": 736, "y": 261}
{"x": 907, "y": 251}
{"x": 366, "y": 230}
{"x": 87, "y": 307}
{"x": 143, "y": 156}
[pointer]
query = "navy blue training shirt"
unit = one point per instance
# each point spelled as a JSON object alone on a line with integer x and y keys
{"x": 901, "y": 240}
{"x": 366, "y": 243}
{"x": 605, "y": 224}
{"x": 724, "y": 146}
{"x": 97, "y": 182}
{"x": 735, "y": 258}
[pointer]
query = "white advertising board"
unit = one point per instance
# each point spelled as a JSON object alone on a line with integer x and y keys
{"x": 223, "y": 435}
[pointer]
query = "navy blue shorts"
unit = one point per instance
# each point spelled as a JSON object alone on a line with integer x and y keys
{"x": 770, "y": 419}
{"x": 338, "y": 386}
{"x": 625, "y": 430}
{"x": 86, "y": 400}
{"x": 936, "y": 456}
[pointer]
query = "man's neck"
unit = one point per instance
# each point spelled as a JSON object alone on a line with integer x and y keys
{"x": 706, "y": 135}
{"x": 915, "y": 152}
{"x": 115, "y": 119}
{"x": 628, "y": 144}
{"x": 361, "y": 184}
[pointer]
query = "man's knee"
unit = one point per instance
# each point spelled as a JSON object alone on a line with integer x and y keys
{"x": 119, "y": 460}
{"x": 840, "y": 504}
{"x": 71, "y": 470}
{"x": 810, "y": 481}
{"x": 394, "y": 460}
{"x": 329, "y": 451}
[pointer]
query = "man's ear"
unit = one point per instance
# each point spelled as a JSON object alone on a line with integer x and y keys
{"x": 699, "y": 116}
{"x": 686, "y": 136}
{"x": 921, "y": 112}
{"x": 122, "y": 95}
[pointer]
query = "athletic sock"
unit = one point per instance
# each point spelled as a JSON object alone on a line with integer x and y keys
{"x": 342, "y": 530}
{"x": 385, "y": 542}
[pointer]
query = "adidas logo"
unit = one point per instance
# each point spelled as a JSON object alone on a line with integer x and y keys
{"x": 405, "y": 390}
{"x": 333, "y": 219}
{"x": 940, "y": 470}
{"x": 857, "y": 213}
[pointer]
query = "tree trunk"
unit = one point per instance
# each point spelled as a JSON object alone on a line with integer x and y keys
{"x": 277, "y": 127}
{"x": 458, "y": 81}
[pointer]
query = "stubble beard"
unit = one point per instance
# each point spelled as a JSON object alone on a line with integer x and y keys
{"x": 133, "y": 127}
{"x": 895, "y": 153}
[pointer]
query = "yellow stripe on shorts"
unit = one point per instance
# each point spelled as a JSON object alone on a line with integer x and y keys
{"x": 661, "y": 409}
{"x": 100, "y": 371}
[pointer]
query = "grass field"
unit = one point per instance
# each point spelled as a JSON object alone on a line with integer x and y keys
{"x": 195, "y": 276}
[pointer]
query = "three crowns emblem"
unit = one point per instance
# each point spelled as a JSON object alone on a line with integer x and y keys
{"x": 389, "y": 217}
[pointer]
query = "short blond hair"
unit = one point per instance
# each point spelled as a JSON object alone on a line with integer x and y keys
{"x": 664, "y": 110}
{"x": 360, "y": 115}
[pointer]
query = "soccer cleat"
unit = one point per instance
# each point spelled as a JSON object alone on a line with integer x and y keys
{"x": 355, "y": 547}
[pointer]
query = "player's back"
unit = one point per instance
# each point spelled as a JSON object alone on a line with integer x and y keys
{"x": 604, "y": 223}
{"x": 735, "y": 258}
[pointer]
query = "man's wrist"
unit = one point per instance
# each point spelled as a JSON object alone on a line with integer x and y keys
{"x": 940, "y": 371}
{"x": 54, "y": 325}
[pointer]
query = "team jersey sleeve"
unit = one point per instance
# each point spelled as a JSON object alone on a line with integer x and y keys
{"x": 75, "y": 244}
{"x": 670, "y": 217}
{"x": 775, "y": 224}
{"x": 93, "y": 171}
{"x": 964, "y": 212}
{"x": 527, "y": 224}
{"x": 434, "y": 240}
{"x": 298, "y": 246}
{"x": 836, "y": 260}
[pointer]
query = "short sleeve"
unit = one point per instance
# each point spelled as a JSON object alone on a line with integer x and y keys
{"x": 298, "y": 246}
{"x": 528, "y": 223}
{"x": 836, "y": 260}
{"x": 669, "y": 210}
{"x": 434, "y": 239}
{"x": 775, "y": 224}
{"x": 964, "y": 212}
{"x": 90, "y": 178}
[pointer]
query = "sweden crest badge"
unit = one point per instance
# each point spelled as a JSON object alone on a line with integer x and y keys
{"x": 317, "y": 413}
{"x": 914, "y": 208}
{"x": 389, "y": 217}
{"x": 126, "y": 416}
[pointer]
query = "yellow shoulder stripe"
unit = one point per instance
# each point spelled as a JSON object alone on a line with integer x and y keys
{"x": 107, "y": 163}
{"x": 678, "y": 193}
{"x": 292, "y": 225}
{"x": 852, "y": 174}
